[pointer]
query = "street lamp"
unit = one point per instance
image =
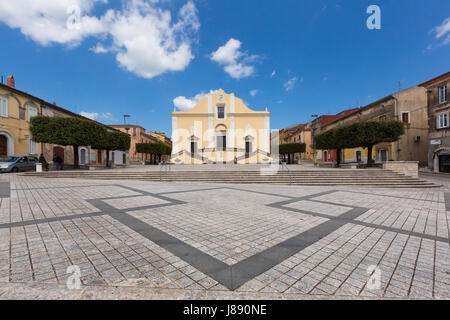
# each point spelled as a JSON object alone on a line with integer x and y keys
{"x": 125, "y": 116}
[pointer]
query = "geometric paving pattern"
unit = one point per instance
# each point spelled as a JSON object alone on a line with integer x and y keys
{"x": 244, "y": 238}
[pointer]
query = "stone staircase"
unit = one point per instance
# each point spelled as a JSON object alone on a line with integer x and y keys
{"x": 334, "y": 177}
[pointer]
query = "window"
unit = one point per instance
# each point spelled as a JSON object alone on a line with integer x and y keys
{"x": 32, "y": 112}
{"x": 382, "y": 118}
{"x": 443, "y": 94}
{"x": 134, "y": 131}
{"x": 221, "y": 112}
{"x": 22, "y": 113}
{"x": 33, "y": 147}
{"x": 3, "y": 107}
{"x": 442, "y": 120}
{"x": 405, "y": 118}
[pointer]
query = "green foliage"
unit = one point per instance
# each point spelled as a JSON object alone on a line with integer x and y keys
{"x": 153, "y": 148}
{"x": 291, "y": 148}
{"x": 360, "y": 134}
{"x": 113, "y": 140}
{"x": 66, "y": 131}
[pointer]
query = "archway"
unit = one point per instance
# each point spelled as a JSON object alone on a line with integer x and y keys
{"x": 58, "y": 151}
{"x": 6, "y": 144}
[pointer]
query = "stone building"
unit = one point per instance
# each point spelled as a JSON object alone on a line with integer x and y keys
{"x": 438, "y": 122}
{"x": 299, "y": 133}
{"x": 138, "y": 135}
{"x": 16, "y": 110}
{"x": 318, "y": 125}
{"x": 220, "y": 129}
{"x": 408, "y": 106}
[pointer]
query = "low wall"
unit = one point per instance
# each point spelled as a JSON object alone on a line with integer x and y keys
{"x": 408, "y": 168}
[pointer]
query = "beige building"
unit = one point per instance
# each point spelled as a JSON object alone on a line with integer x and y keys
{"x": 299, "y": 133}
{"x": 408, "y": 106}
{"x": 439, "y": 123}
{"x": 16, "y": 110}
{"x": 220, "y": 129}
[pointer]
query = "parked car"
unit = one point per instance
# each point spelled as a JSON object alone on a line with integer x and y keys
{"x": 18, "y": 163}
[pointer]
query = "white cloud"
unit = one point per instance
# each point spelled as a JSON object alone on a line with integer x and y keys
{"x": 272, "y": 74}
{"x": 48, "y": 21}
{"x": 254, "y": 92}
{"x": 97, "y": 116}
{"x": 290, "y": 84}
{"x": 236, "y": 63}
{"x": 186, "y": 104}
{"x": 145, "y": 38}
{"x": 443, "y": 31}
{"x": 90, "y": 115}
{"x": 148, "y": 43}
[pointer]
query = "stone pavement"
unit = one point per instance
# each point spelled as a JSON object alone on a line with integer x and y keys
{"x": 136, "y": 239}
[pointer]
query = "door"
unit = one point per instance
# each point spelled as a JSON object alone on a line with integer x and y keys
{"x": 99, "y": 156}
{"x": 358, "y": 156}
{"x": 3, "y": 146}
{"x": 325, "y": 156}
{"x": 82, "y": 156}
{"x": 383, "y": 155}
{"x": 58, "y": 151}
{"x": 444, "y": 163}
{"x": 32, "y": 163}
{"x": 22, "y": 164}
{"x": 221, "y": 147}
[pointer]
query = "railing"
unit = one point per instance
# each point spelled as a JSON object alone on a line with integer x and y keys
{"x": 165, "y": 166}
{"x": 284, "y": 166}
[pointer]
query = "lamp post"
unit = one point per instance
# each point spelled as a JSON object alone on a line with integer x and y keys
{"x": 125, "y": 116}
{"x": 314, "y": 140}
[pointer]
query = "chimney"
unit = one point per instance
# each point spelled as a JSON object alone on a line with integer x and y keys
{"x": 10, "y": 81}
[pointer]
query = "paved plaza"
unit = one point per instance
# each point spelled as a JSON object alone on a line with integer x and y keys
{"x": 137, "y": 239}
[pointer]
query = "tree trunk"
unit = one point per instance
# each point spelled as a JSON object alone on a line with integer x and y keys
{"x": 369, "y": 156}
{"x": 338, "y": 157}
{"x": 107, "y": 158}
{"x": 75, "y": 157}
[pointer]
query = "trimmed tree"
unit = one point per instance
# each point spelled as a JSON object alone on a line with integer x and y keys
{"x": 360, "y": 134}
{"x": 112, "y": 140}
{"x": 73, "y": 132}
{"x": 154, "y": 149}
{"x": 291, "y": 148}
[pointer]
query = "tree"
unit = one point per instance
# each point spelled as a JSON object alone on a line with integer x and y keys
{"x": 291, "y": 148}
{"x": 154, "y": 149}
{"x": 112, "y": 140}
{"x": 63, "y": 131}
{"x": 360, "y": 134}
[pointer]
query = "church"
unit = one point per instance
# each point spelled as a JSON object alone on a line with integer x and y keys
{"x": 220, "y": 129}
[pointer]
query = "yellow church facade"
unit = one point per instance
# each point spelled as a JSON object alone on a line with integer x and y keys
{"x": 220, "y": 129}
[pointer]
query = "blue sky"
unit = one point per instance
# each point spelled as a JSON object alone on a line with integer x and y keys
{"x": 296, "y": 57}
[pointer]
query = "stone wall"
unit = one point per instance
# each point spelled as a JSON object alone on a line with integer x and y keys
{"x": 408, "y": 168}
